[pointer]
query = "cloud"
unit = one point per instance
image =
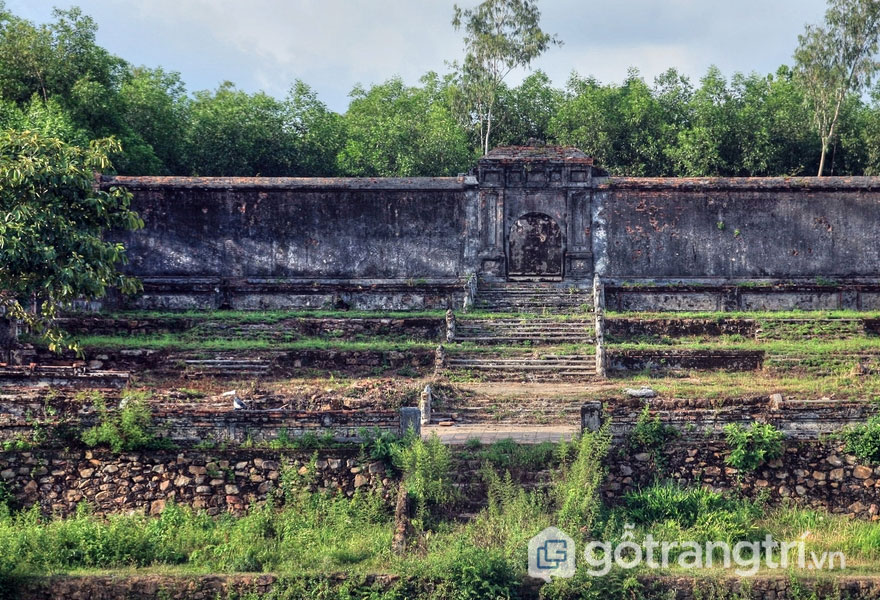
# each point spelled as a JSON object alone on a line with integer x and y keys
{"x": 333, "y": 44}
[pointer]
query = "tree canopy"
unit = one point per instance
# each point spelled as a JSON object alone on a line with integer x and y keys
{"x": 52, "y": 221}
{"x": 838, "y": 60}
{"x": 57, "y": 81}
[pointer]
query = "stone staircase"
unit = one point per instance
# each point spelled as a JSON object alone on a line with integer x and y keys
{"x": 224, "y": 366}
{"x": 527, "y": 348}
{"x": 521, "y": 366}
{"x": 524, "y": 331}
{"x": 533, "y": 297}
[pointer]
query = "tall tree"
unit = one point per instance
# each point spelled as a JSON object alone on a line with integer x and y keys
{"x": 52, "y": 221}
{"x": 838, "y": 59}
{"x": 499, "y": 36}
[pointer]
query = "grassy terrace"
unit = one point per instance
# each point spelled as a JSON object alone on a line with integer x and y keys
{"x": 305, "y": 533}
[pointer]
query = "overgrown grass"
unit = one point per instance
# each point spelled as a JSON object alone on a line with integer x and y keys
{"x": 182, "y": 343}
{"x": 720, "y": 316}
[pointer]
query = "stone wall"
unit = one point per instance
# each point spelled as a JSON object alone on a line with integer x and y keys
{"x": 811, "y": 473}
{"x": 742, "y": 228}
{"x": 216, "y": 481}
{"x": 288, "y": 242}
{"x": 192, "y": 425}
{"x": 660, "y": 244}
{"x": 226, "y": 587}
{"x": 695, "y": 419}
{"x": 416, "y": 328}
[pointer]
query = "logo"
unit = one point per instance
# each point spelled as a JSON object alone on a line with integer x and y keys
{"x": 551, "y": 554}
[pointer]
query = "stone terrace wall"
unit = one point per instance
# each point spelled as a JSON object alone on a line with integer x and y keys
{"x": 190, "y": 425}
{"x": 697, "y": 418}
{"x": 418, "y": 328}
{"x": 222, "y": 587}
{"x": 811, "y": 473}
{"x": 216, "y": 481}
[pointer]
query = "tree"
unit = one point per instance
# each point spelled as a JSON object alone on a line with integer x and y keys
{"x": 234, "y": 133}
{"x": 318, "y": 132}
{"x": 499, "y": 36}
{"x": 52, "y": 220}
{"x": 837, "y": 60}
{"x": 154, "y": 106}
{"x": 394, "y": 130}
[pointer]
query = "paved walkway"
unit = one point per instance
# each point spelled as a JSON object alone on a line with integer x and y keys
{"x": 486, "y": 433}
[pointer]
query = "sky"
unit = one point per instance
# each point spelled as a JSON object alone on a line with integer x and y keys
{"x": 334, "y": 44}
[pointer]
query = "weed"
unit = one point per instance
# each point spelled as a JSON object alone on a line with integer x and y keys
{"x": 751, "y": 448}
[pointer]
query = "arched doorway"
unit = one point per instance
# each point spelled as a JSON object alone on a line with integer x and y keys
{"x": 535, "y": 247}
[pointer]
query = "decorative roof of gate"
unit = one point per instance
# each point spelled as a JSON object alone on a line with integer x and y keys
{"x": 568, "y": 154}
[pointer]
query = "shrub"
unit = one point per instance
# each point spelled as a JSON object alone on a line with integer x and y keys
{"x": 129, "y": 428}
{"x": 750, "y": 448}
{"x": 650, "y": 435}
{"x": 864, "y": 440}
{"x": 577, "y": 489}
{"x": 426, "y": 467}
{"x": 385, "y": 446}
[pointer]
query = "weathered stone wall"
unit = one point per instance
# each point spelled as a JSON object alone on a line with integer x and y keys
{"x": 216, "y": 481}
{"x": 224, "y": 587}
{"x": 416, "y": 328}
{"x": 191, "y": 425}
{"x": 812, "y": 473}
{"x": 695, "y": 419}
{"x": 264, "y": 242}
{"x": 673, "y": 244}
{"x": 745, "y": 228}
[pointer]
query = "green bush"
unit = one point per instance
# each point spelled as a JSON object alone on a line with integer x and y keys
{"x": 426, "y": 468}
{"x": 864, "y": 440}
{"x": 508, "y": 454}
{"x": 124, "y": 430}
{"x": 577, "y": 486}
{"x": 385, "y": 446}
{"x": 651, "y": 436}
{"x": 750, "y": 448}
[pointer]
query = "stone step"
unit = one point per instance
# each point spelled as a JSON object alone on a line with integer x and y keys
{"x": 226, "y": 367}
{"x": 525, "y": 339}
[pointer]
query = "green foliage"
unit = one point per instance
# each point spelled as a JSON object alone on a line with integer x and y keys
{"x": 426, "y": 468}
{"x": 123, "y": 430}
{"x": 837, "y": 60}
{"x": 385, "y": 446}
{"x": 863, "y": 440}
{"x": 51, "y": 224}
{"x": 395, "y": 130}
{"x": 577, "y": 489}
{"x": 651, "y": 436}
{"x": 668, "y": 500}
{"x": 750, "y": 448}
{"x": 507, "y": 454}
{"x": 512, "y": 516}
{"x": 499, "y": 36}
{"x": 318, "y": 534}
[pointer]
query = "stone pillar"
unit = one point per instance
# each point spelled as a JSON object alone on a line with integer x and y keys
{"x": 8, "y": 338}
{"x": 410, "y": 419}
{"x": 425, "y": 400}
{"x": 599, "y": 313}
{"x": 591, "y": 417}
{"x": 450, "y": 326}
{"x": 439, "y": 359}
